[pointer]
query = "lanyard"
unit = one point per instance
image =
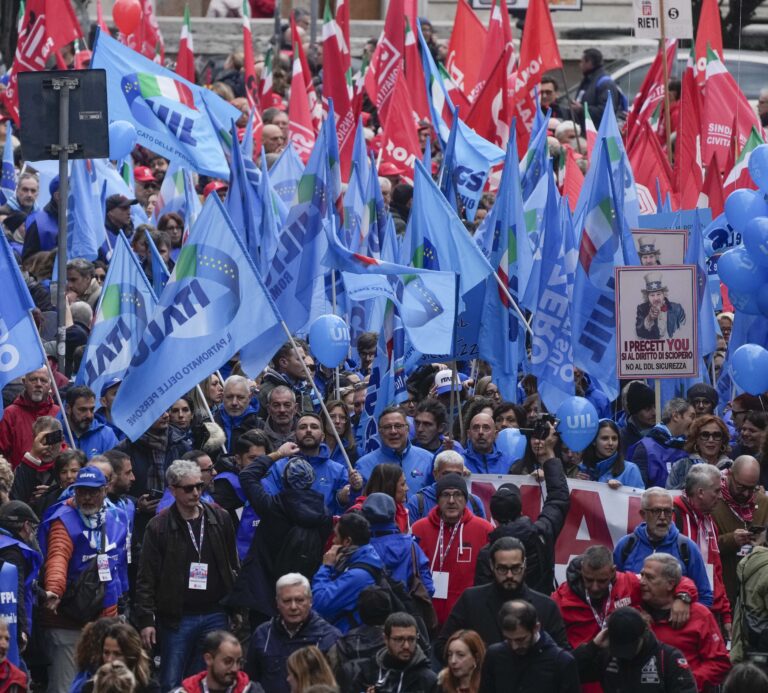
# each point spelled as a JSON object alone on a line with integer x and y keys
{"x": 439, "y": 548}
{"x": 601, "y": 618}
{"x": 198, "y": 547}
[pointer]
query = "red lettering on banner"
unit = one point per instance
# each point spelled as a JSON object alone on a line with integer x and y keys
{"x": 633, "y": 513}
{"x": 587, "y": 510}
{"x": 531, "y": 498}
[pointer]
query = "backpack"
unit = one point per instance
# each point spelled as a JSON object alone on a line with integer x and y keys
{"x": 623, "y": 108}
{"x": 300, "y": 552}
{"x": 682, "y": 548}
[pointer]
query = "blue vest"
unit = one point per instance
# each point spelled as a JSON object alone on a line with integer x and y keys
{"x": 9, "y": 586}
{"x": 249, "y": 520}
{"x": 47, "y": 228}
{"x": 86, "y": 547}
{"x": 34, "y": 561}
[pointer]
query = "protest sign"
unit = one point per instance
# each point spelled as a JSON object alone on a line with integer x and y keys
{"x": 660, "y": 247}
{"x": 656, "y": 318}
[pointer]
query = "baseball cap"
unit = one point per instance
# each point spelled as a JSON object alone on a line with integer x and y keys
{"x": 387, "y": 168}
{"x": 444, "y": 381}
{"x": 143, "y": 174}
{"x": 17, "y": 511}
{"x": 625, "y": 628}
{"x": 212, "y": 186}
{"x": 90, "y": 477}
{"x": 112, "y": 382}
{"x": 114, "y": 201}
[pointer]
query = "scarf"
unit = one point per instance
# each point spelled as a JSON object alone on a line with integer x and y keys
{"x": 93, "y": 525}
{"x": 602, "y": 467}
{"x": 343, "y": 556}
{"x": 157, "y": 442}
{"x": 743, "y": 511}
{"x": 706, "y": 534}
{"x": 230, "y": 423}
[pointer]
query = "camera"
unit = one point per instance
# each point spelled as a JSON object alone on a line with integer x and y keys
{"x": 541, "y": 426}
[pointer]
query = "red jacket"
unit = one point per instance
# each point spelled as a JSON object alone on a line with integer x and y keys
{"x": 470, "y": 535}
{"x": 12, "y": 679}
{"x": 687, "y": 523}
{"x": 194, "y": 684}
{"x": 16, "y": 426}
{"x": 701, "y": 644}
{"x": 401, "y": 514}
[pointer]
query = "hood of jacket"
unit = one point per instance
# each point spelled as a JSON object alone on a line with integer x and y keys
{"x": 36, "y": 408}
{"x": 668, "y": 542}
{"x": 305, "y": 508}
{"x": 522, "y": 528}
{"x": 573, "y": 578}
{"x": 662, "y": 435}
{"x": 418, "y": 661}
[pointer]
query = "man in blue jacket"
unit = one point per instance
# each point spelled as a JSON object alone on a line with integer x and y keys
{"x": 658, "y": 534}
{"x": 397, "y": 449}
{"x": 348, "y": 566}
{"x": 482, "y": 456}
{"x": 90, "y": 436}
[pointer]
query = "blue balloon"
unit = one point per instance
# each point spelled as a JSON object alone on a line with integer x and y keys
{"x": 756, "y": 239}
{"x": 737, "y": 207}
{"x": 749, "y": 368}
{"x": 739, "y": 272}
{"x": 758, "y": 167}
{"x": 122, "y": 139}
{"x": 578, "y": 422}
{"x": 329, "y": 340}
{"x": 512, "y": 443}
{"x": 745, "y": 302}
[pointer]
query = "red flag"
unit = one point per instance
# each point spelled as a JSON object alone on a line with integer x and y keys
{"x": 712, "y": 191}
{"x": 45, "y": 27}
{"x": 708, "y": 33}
{"x": 574, "y": 178}
{"x": 651, "y": 167}
{"x": 651, "y": 91}
{"x": 538, "y": 54}
{"x": 387, "y": 60}
{"x": 401, "y": 142}
{"x": 490, "y": 115}
{"x": 301, "y": 133}
{"x": 251, "y": 81}
{"x": 147, "y": 38}
{"x": 100, "y": 17}
{"x": 315, "y": 107}
{"x": 414, "y": 73}
{"x": 498, "y": 42}
{"x": 337, "y": 80}
{"x": 185, "y": 60}
{"x": 464, "y": 58}
{"x": 688, "y": 168}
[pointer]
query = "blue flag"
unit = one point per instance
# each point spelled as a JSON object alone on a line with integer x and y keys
{"x": 503, "y": 238}
{"x": 86, "y": 233}
{"x": 286, "y": 173}
{"x": 601, "y": 249}
{"x": 273, "y": 214}
{"x": 8, "y": 174}
{"x": 20, "y": 352}
{"x": 536, "y": 162}
{"x": 172, "y": 116}
{"x": 125, "y": 306}
{"x": 551, "y": 348}
{"x": 214, "y": 305}
{"x": 160, "y": 273}
{"x": 241, "y": 203}
{"x": 436, "y": 239}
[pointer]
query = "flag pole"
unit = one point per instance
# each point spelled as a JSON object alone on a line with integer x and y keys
{"x": 455, "y": 384}
{"x": 665, "y": 68}
{"x": 319, "y": 396}
{"x": 337, "y": 384}
{"x": 207, "y": 408}
{"x": 512, "y": 302}
{"x": 578, "y": 135}
{"x": 53, "y": 384}
{"x": 657, "y": 393}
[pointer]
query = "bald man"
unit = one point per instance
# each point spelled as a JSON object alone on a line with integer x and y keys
{"x": 482, "y": 456}
{"x": 741, "y": 516}
{"x": 273, "y": 139}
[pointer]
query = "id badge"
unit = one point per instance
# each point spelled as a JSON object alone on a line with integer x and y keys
{"x": 440, "y": 581}
{"x": 198, "y": 576}
{"x": 745, "y": 550}
{"x": 102, "y": 563}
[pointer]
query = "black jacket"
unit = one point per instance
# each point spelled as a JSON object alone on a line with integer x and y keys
{"x": 388, "y": 676}
{"x": 596, "y": 97}
{"x": 656, "y": 668}
{"x": 478, "y": 608}
{"x": 538, "y": 537}
{"x": 255, "y": 587}
{"x": 352, "y": 651}
{"x": 546, "y": 668}
{"x": 164, "y": 568}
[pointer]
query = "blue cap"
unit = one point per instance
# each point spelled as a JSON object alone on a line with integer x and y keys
{"x": 90, "y": 477}
{"x": 112, "y": 382}
{"x": 53, "y": 186}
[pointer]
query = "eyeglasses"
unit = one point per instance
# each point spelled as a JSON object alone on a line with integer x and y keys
{"x": 739, "y": 413}
{"x": 711, "y": 435}
{"x": 393, "y": 427}
{"x": 206, "y": 470}
{"x": 658, "y": 512}
{"x": 451, "y": 495}
{"x": 504, "y": 569}
{"x": 188, "y": 488}
{"x": 402, "y": 639}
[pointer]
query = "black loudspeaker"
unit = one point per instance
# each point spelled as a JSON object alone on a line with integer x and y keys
{"x": 39, "y": 112}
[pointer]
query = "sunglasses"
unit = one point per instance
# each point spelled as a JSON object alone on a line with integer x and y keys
{"x": 711, "y": 435}
{"x": 188, "y": 488}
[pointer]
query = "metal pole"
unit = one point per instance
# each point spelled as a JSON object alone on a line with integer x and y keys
{"x": 278, "y": 35}
{"x": 337, "y": 379}
{"x": 313, "y": 9}
{"x": 665, "y": 67}
{"x": 578, "y": 135}
{"x": 63, "y": 150}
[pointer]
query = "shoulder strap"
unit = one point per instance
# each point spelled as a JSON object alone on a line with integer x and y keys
{"x": 474, "y": 503}
{"x": 602, "y": 80}
{"x": 420, "y": 502}
{"x": 374, "y": 572}
{"x": 676, "y": 514}
{"x": 627, "y": 548}
{"x": 684, "y": 549}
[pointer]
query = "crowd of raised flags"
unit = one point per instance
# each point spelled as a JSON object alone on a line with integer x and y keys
{"x": 532, "y": 292}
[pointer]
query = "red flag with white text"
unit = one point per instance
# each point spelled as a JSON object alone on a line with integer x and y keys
{"x": 400, "y": 143}
{"x": 301, "y": 133}
{"x": 490, "y": 114}
{"x": 498, "y": 42}
{"x": 387, "y": 59}
{"x": 464, "y": 58}
{"x": 651, "y": 91}
{"x": 709, "y": 32}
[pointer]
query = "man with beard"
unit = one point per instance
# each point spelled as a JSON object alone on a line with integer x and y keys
{"x": 16, "y": 426}
{"x": 528, "y": 660}
{"x": 89, "y": 435}
{"x": 657, "y": 317}
{"x": 236, "y": 415}
{"x": 477, "y": 607}
{"x": 223, "y": 656}
{"x": 80, "y": 528}
{"x": 330, "y": 476}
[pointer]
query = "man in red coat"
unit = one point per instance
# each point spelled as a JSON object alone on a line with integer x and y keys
{"x": 451, "y": 537}
{"x": 16, "y": 426}
{"x": 700, "y": 640}
{"x": 222, "y": 654}
{"x": 693, "y": 517}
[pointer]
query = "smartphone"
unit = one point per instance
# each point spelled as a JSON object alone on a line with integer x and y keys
{"x": 756, "y": 529}
{"x": 53, "y": 437}
{"x": 155, "y": 494}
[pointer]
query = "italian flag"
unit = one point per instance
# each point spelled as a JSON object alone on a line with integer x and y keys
{"x": 591, "y": 132}
{"x": 185, "y": 61}
{"x": 739, "y": 176}
{"x": 266, "y": 81}
{"x": 166, "y": 87}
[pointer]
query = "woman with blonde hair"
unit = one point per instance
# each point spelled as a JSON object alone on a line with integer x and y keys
{"x": 464, "y": 654}
{"x": 308, "y": 667}
{"x": 707, "y": 442}
{"x": 114, "y": 677}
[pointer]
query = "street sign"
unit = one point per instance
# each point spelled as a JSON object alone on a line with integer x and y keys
{"x": 678, "y": 21}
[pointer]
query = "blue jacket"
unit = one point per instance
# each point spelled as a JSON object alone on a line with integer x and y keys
{"x": 655, "y": 453}
{"x": 271, "y": 645}
{"x": 42, "y": 230}
{"x": 248, "y": 520}
{"x": 33, "y": 560}
{"x": 494, "y": 462}
{"x": 602, "y": 472}
{"x": 101, "y": 417}
{"x": 456, "y": 447}
{"x": 330, "y": 477}
{"x": 694, "y": 567}
{"x": 598, "y": 398}
{"x": 394, "y": 549}
{"x": 95, "y": 441}
{"x": 416, "y": 464}
{"x": 428, "y": 496}
{"x": 334, "y": 594}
